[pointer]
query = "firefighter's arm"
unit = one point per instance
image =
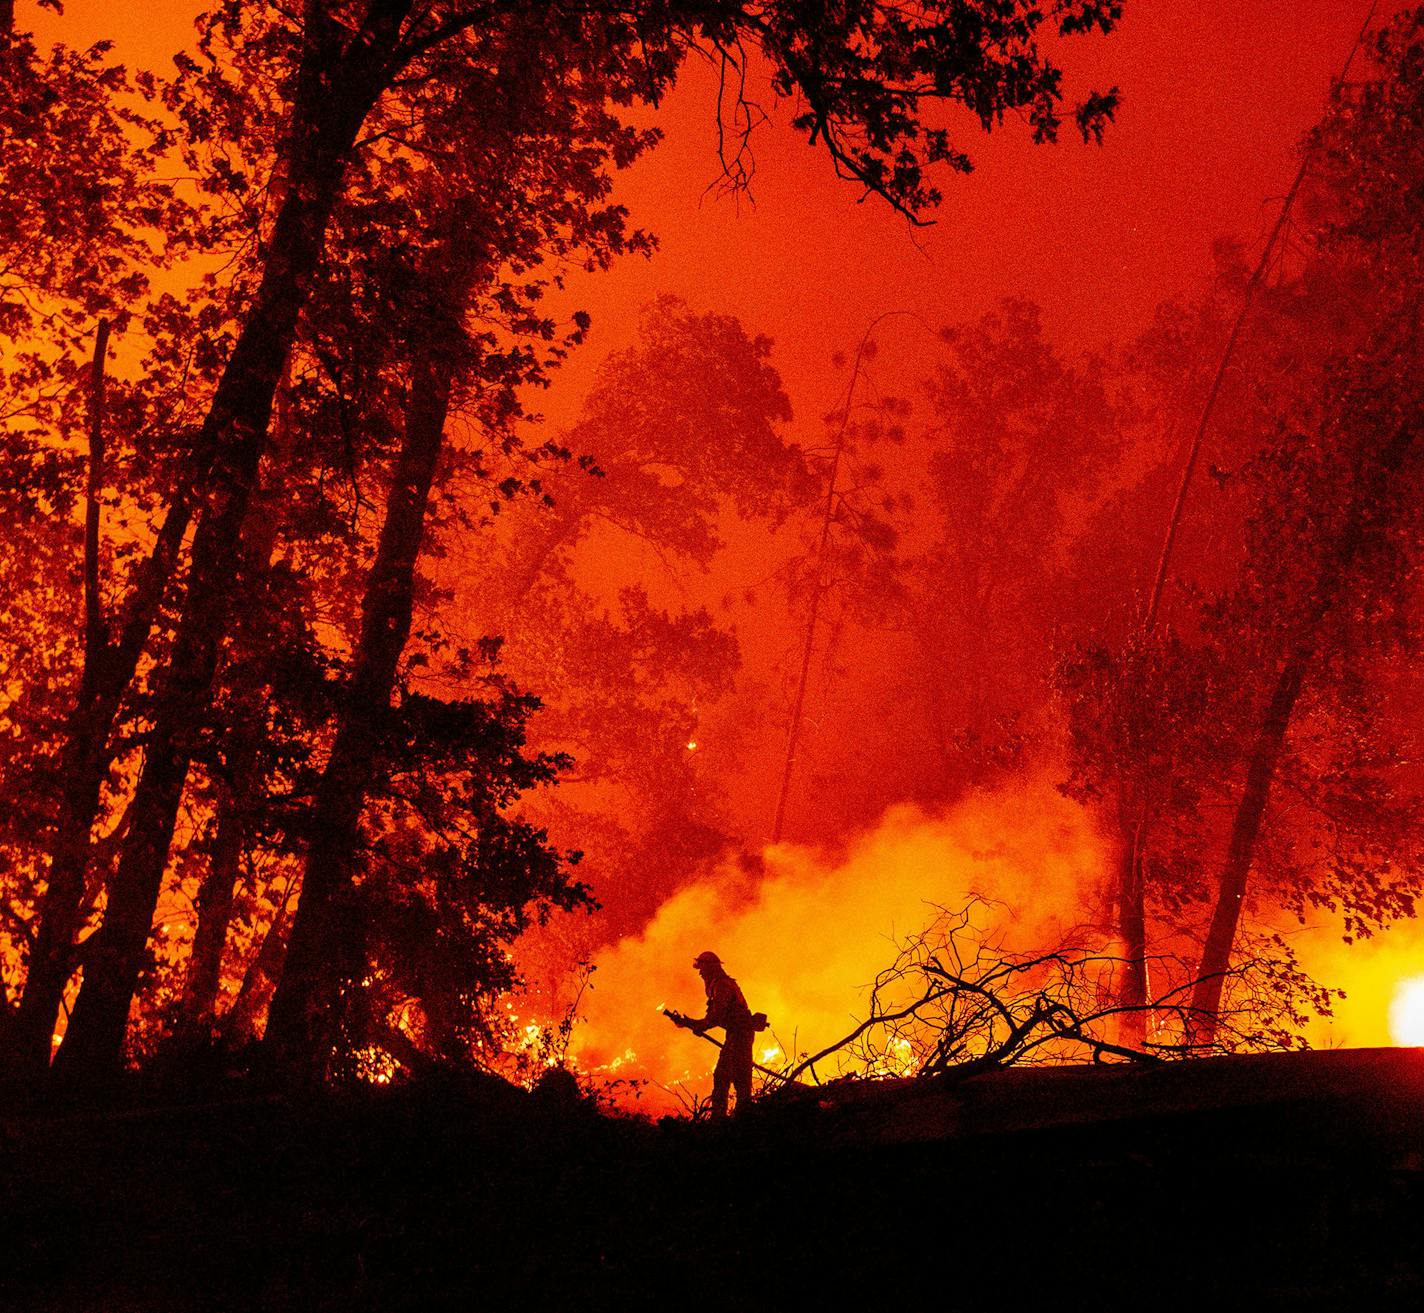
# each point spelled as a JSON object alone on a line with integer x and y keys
{"x": 695, "y": 1024}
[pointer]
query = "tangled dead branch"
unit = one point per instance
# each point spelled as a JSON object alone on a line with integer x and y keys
{"x": 956, "y": 1001}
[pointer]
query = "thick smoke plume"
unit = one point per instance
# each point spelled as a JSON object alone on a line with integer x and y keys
{"x": 807, "y": 935}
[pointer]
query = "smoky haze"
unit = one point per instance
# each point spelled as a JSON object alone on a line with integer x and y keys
{"x": 830, "y": 575}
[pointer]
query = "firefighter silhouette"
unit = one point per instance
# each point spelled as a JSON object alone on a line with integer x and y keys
{"x": 727, "y": 1008}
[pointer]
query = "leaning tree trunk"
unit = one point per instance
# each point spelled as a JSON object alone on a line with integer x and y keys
{"x": 110, "y": 662}
{"x": 86, "y": 759}
{"x": 49, "y": 957}
{"x": 1217, "y": 952}
{"x": 241, "y": 1024}
{"x": 324, "y": 946}
{"x": 1335, "y": 567}
{"x": 241, "y": 795}
{"x": 327, "y": 119}
{"x": 214, "y": 904}
{"x": 1245, "y": 828}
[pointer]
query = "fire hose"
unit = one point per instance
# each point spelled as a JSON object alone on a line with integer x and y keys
{"x": 684, "y": 1023}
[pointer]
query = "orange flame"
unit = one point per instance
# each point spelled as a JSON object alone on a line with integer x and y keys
{"x": 1384, "y": 990}
{"x": 806, "y": 938}
{"x": 1406, "y": 1012}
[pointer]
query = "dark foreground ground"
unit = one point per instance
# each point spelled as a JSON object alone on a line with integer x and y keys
{"x": 1290, "y": 1182}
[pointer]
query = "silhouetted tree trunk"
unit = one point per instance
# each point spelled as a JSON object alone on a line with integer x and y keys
{"x": 1217, "y": 952}
{"x": 1245, "y": 827}
{"x": 240, "y": 1025}
{"x": 1135, "y": 984}
{"x": 335, "y": 92}
{"x": 214, "y": 906}
{"x": 85, "y": 757}
{"x": 818, "y": 592}
{"x": 325, "y": 947}
{"x": 1334, "y": 571}
{"x": 241, "y": 795}
{"x": 107, "y": 669}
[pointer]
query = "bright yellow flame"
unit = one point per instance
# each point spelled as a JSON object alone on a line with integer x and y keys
{"x": 692, "y": 745}
{"x": 1406, "y": 1013}
{"x": 375, "y": 1066}
{"x": 804, "y": 938}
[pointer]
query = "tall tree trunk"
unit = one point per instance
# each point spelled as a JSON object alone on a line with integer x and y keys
{"x": 86, "y": 760}
{"x": 1361, "y": 519}
{"x": 1135, "y": 985}
{"x": 325, "y": 947}
{"x": 241, "y": 795}
{"x": 214, "y": 906}
{"x": 84, "y": 763}
{"x": 240, "y": 1025}
{"x": 1132, "y": 889}
{"x": 818, "y": 592}
{"x": 327, "y": 117}
{"x": 1245, "y": 828}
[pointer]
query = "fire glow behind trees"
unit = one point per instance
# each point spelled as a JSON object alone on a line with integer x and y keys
{"x": 310, "y": 739}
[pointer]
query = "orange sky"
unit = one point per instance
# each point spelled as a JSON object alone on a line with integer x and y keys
{"x": 1215, "y": 95}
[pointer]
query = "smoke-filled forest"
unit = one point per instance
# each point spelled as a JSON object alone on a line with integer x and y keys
{"x": 571, "y": 567}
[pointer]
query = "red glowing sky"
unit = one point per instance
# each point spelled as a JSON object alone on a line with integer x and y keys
{"x": 1215, "y": 96}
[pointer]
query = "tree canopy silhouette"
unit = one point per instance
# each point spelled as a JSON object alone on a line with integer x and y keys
{"x": 378, "y": 195}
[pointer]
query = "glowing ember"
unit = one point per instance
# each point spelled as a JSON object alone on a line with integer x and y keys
{"x": 1406, "y": 1013}
{"x": 375, "y": 1066}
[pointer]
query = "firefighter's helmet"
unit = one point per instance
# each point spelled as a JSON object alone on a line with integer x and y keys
{"x": 706, "y": 960}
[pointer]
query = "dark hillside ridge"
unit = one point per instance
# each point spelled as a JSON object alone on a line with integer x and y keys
{"x": 1384, "y": 1087}
{"x": 1289, "y": 1181}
